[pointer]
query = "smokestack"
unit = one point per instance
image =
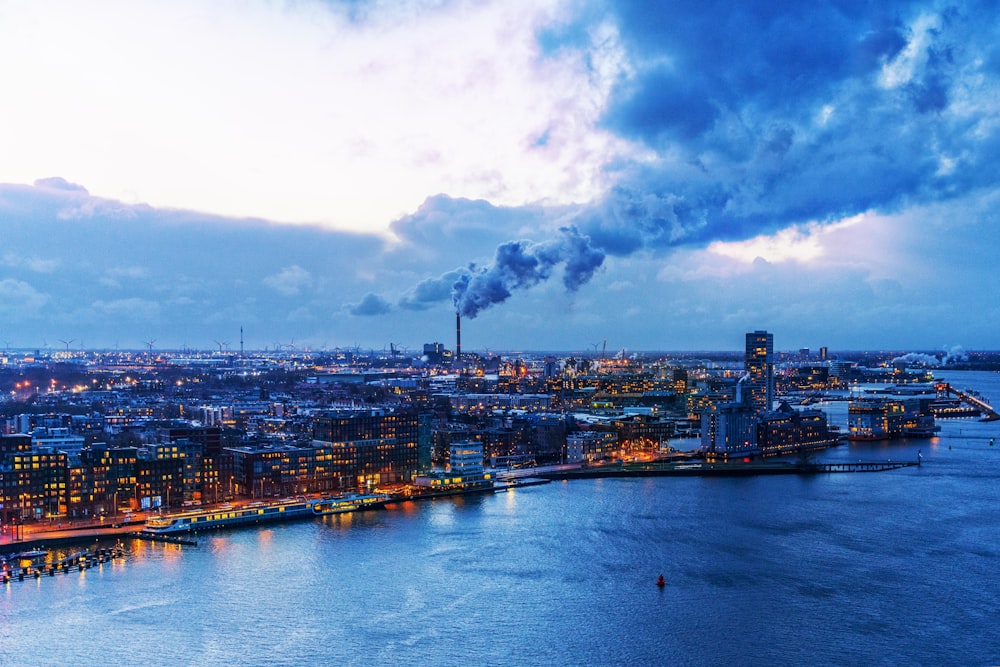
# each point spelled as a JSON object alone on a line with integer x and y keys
{"x": 458, "y": 335}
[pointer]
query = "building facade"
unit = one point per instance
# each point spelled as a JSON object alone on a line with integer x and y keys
{"x": 759, "y": 368}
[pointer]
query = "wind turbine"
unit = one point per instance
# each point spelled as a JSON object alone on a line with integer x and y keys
{"x": 149, "y": 345}
{"x": 66, "y": 343}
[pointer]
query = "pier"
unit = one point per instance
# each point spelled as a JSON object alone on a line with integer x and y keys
{"x": 860, "y": 466}
{"x": 704, "y": 469}
{"x": 989, "y": 413}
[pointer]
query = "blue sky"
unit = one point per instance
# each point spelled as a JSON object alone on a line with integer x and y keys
{"x": 661, "y": 175}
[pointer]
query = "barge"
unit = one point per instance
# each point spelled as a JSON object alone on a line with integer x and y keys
{"x": 258, "y": 513}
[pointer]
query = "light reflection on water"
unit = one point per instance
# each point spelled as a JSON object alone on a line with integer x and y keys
{"x": 877, "y": 568}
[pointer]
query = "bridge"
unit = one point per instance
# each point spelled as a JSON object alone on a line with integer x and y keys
{"x": 978, "y": 403}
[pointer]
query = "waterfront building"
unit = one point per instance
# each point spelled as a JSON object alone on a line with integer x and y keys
{"x": 32, "y": 480}
{"x": 729, "y": 431}
{"x": 758, "y": 365}
{"x": 885, "y": 418}
{"x": 190, "y": 454}
{"x": 370, "y": 447}
{"x": 465, "y": 471}
{"x": 158, "y": 482}
{"x": 106, "y": 479}
{"x": 786, "y": 431}
{"x": 590, "y": 446}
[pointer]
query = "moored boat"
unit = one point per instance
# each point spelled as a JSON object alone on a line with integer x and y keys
{"x": 350, "y": 502}
{"x": 186, "y": 522}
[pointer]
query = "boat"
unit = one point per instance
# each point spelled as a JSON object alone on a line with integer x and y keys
{"x": 187, "y": 522}
{"x": 256, "y": 513}
{"x": 350, "y": 502}
{"x": 23, "y": 559}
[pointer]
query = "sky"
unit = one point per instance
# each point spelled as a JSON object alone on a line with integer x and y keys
{"x": 567, "y": 175}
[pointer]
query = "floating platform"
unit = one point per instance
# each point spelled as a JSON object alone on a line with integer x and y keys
{"x": 169, "y": 539}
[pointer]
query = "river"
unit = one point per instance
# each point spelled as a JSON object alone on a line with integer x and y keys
{"x": 868, "y": 568}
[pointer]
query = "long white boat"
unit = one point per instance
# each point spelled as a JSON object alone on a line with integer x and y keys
{"x": 256, "y": 513}
{"x": 198, "y": 520}
{"x": 350, "y": 502}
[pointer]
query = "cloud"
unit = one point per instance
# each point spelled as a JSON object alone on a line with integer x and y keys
{"x": 768, "y": 115}
{"x": 59, "y": 183}
{"x": 20, "y": 298}
{"x": 371, "y": 304}
{"x": 36, "y": 264}
{"x": 290, "y": 281}
{"x": 431, "y": 291}
{"x": 115, "y": 277}
{"x": 707, "y": 153}
{"x": 132, "y": 308}
{"x": 305, "y": 112}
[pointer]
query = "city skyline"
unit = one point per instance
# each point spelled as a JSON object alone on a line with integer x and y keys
{"x": 339, "y": 174}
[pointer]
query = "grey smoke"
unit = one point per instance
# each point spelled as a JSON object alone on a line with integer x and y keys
{"x": 953, "y": 354}
{"x": 916, "y": 359}
{"x": 523, "y": 264}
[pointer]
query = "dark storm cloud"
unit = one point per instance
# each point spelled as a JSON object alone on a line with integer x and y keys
{"x": 761, "y": 115}
{"x": 714, "y": 56}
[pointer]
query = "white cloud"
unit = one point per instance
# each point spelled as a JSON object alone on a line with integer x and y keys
{"x": 131, "y": 309}
{"x": 291, "y": 112}
{"x": 32, "y": 263}
{"x": 901, "y": 69}
{"x": 799, "y": 243}
{"x": 19, "y": 298}
{"x": 289, "y": 281}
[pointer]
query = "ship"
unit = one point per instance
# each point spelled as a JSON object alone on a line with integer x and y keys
{"x": 259, "y": 513}
{"x": 350, "y": 502}
{"x": 226, "y": 517}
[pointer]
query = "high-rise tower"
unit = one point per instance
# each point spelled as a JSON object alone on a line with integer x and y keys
{"x": 759, "y": 366}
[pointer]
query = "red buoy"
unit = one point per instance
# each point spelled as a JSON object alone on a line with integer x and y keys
{"x": 660, "y": 582}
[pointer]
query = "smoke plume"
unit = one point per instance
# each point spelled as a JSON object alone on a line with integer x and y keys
{"x": 523, "y": 264}
{"x": 916, "y": 359}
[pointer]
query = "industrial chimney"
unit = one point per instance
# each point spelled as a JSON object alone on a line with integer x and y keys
{"x": 458, "y": 335}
